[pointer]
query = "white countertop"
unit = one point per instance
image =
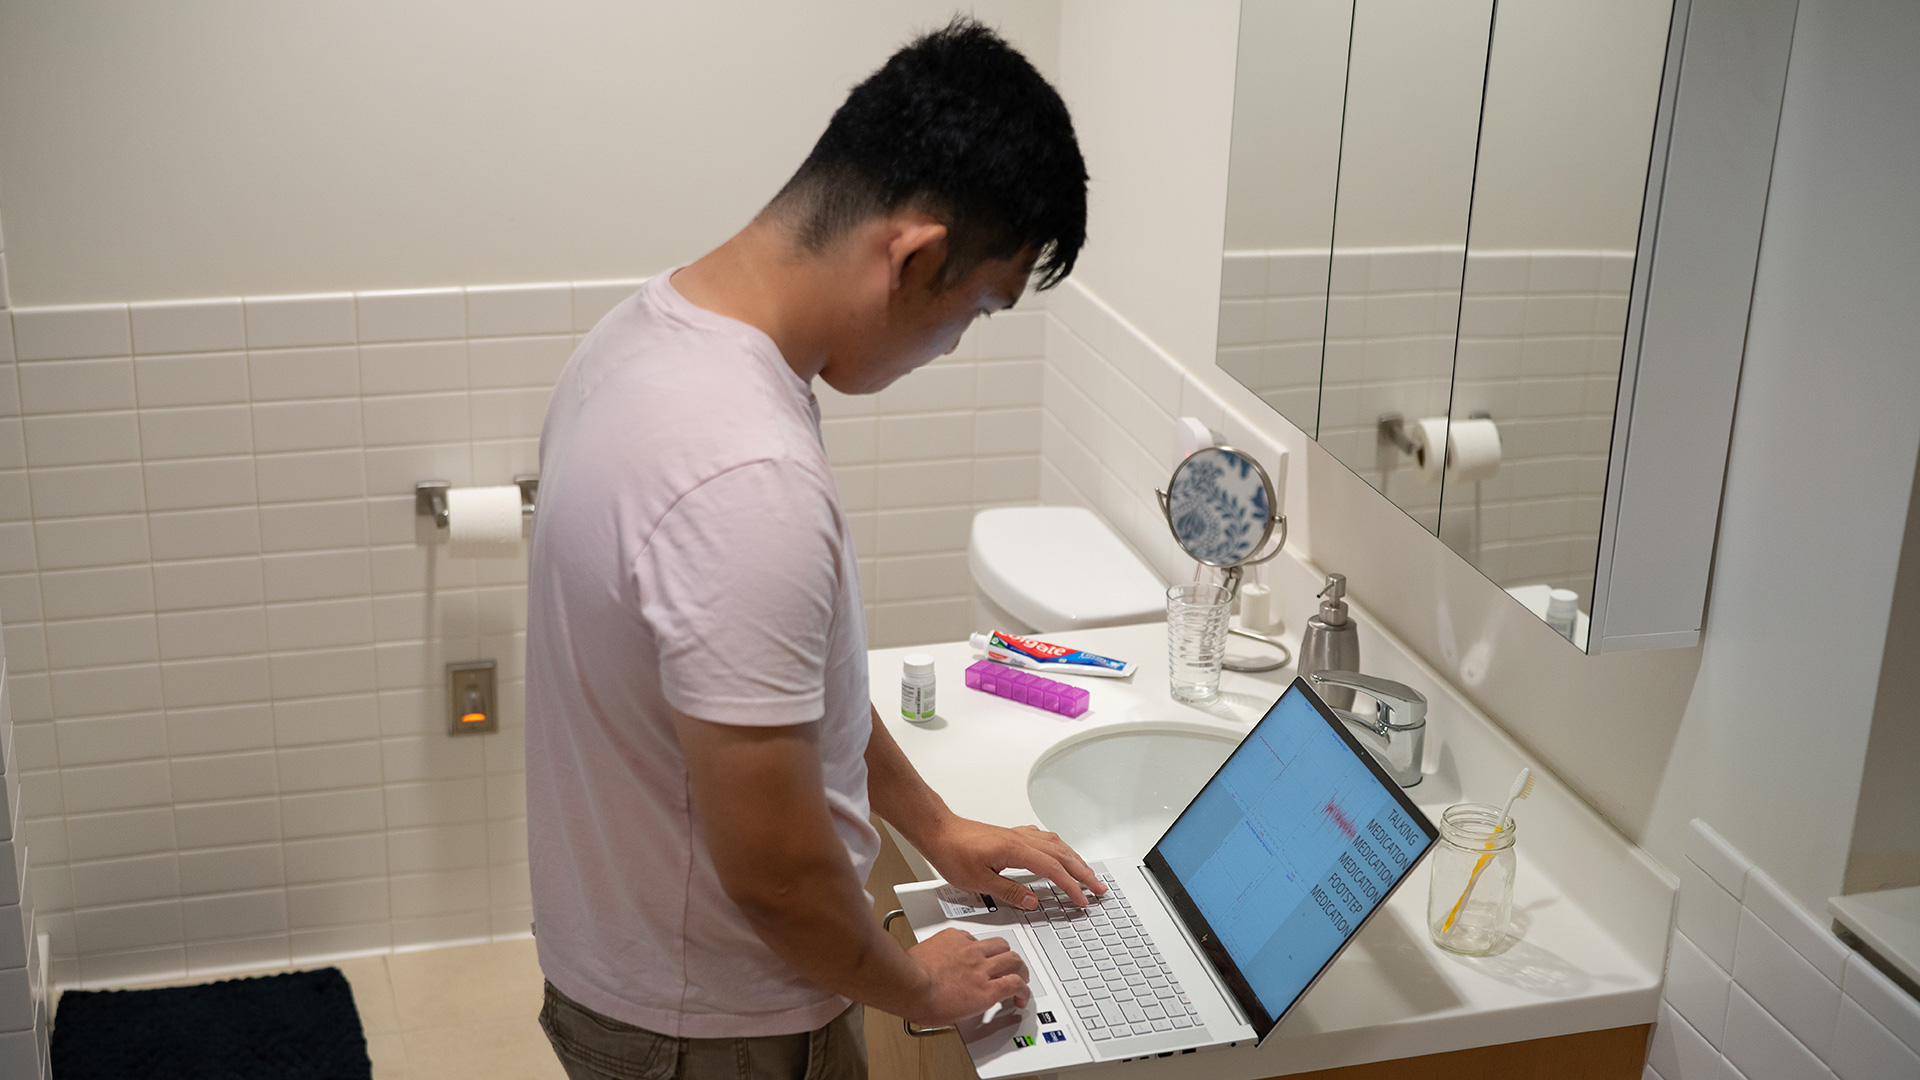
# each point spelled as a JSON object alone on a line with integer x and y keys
{"x": 1593, "y": 909}
{"x": 1888, "y": 921}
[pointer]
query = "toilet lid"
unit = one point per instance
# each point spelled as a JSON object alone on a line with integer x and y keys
{"x": 1061, "y": 568}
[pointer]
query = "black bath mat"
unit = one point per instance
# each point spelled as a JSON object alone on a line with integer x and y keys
{"x": 301, "y": 1026}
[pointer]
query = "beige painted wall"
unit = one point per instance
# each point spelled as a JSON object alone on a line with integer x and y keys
{"x": 1569, "y": 122}
{"x": 1413, "y": 106}
{"x": 1289, "y": 88}
{"x": 1151, "y": 89}
{"x": 221, "y": 147}
{"x": 1563, "y": 154}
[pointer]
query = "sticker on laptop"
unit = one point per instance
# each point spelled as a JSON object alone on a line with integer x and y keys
{"x": 958, "y": 903}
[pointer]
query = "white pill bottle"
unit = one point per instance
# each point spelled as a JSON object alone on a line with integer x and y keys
{"x": 916, "y": 687}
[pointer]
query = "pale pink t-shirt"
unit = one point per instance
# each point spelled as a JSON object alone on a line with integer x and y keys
{"x": 689, "y": 551}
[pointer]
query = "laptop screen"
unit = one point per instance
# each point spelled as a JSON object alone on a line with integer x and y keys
{"x": 1286, "y": 852}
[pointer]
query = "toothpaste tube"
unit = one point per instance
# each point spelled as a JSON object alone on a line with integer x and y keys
{"x": 1005, "y": 648}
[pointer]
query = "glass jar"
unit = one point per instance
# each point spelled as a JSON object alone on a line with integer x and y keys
{"x": 1470, "y": 902}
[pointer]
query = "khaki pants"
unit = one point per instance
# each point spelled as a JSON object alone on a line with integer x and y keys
{"x": 596, "y": 1047}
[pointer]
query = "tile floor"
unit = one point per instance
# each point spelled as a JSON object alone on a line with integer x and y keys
{"x": 472, "y": 1012}
{"x": 469, "y": 1012}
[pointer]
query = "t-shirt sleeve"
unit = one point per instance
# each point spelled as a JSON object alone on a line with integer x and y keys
{"x": 738, "y": 584}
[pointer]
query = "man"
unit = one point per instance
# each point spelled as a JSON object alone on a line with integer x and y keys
{"x": 702, "y": 756}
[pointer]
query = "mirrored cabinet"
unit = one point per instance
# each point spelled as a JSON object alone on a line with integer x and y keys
{"x": 1474, "y": 249}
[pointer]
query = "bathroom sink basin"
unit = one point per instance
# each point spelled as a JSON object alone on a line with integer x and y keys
{"x": 1111, "y": 794}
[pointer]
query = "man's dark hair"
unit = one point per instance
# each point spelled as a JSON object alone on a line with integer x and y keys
{"x": 960, "y": 126}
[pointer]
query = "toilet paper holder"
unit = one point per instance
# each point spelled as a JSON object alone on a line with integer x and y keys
{"x": 1393, "y": 430}
{"x": 430, "y": 497}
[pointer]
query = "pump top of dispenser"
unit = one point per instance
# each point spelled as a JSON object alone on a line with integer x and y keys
{"x": 1333, "y": 603}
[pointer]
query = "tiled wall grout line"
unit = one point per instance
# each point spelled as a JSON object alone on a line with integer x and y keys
{"x": 279, "y": 786}
{"x": 366, "y": 493}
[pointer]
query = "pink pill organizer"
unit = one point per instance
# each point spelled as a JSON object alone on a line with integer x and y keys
{"x": 1027, "y": 688}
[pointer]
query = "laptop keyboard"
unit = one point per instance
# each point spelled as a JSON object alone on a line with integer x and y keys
{"x": 1114, "y": 977}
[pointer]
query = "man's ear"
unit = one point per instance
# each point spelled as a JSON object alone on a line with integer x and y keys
{"x": 916, "y": 250}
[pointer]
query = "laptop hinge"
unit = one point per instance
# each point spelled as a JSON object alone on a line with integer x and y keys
{"x": 1186, "y": 939}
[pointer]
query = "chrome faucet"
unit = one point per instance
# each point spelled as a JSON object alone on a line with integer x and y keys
{"x": 1399, "y": 720}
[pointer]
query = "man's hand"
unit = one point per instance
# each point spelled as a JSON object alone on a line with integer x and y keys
{"x": 966, "y": 976}
{"x": 763, "y": 811}
{"x": 971, "y": 854}
{"x": 968, "y": 853}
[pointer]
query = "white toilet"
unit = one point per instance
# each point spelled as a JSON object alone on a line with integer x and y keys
{"x": 1040, "y": 569}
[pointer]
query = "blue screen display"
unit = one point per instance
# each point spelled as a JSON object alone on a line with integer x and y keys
{"x": 1289, "y": 848}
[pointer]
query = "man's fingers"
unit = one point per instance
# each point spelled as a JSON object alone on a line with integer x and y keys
{"x": 1011, "y": 988}
{"x": 1051, "y": 869}
{"x": 1082, "y": 872}
{"x": 1066, "y": 863}
{"x": 1016, "y": 895}
{"x": 1071, "y": 859}
{"x": 1006, "y": 962}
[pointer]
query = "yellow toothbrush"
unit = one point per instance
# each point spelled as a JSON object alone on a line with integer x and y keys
{"x": 1522, "y": 787}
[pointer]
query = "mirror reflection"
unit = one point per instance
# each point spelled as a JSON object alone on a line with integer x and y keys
{"x": 1289, "y": 90}
{"x": 1400, "y": 234}
{"x": 1449, "y": 199}
{"x": 1571, "y": 95}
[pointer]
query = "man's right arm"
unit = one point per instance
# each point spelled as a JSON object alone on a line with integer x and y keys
{"x": 764, "y": 814}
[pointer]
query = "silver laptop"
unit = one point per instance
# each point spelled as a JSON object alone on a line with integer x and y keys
{"x": 1225, "y": 925}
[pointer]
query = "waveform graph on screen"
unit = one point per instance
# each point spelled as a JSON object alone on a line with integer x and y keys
{"x": 1291, "y": 803}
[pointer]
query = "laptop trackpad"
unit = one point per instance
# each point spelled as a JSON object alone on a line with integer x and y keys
{"x": 1034, "y": 983}
{"x": 1004, "y": 1029}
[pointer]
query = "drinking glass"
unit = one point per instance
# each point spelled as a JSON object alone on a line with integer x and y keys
{"x": 1196, "y": 641}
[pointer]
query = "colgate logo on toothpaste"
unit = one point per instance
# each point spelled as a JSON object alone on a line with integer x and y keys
{"x": 1036, "y": 648}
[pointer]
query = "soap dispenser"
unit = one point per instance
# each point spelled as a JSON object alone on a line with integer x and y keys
{"x": 1331, "y": 642}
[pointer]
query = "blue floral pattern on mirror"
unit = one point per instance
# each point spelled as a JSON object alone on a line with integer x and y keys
{"x": 1218, "y": 507}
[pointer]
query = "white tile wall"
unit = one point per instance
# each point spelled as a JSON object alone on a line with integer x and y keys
{"x": 1112, "y": 399}
{"x": 917, "y": 460}
{"x": 24, "y": 1004}
{"x": 1273, "y": 308}
{"x": 1391, "y": 320}
{"x": 1539, "y": 343}
{"x": 227, "y": 635}
{"x": 1758, "y": 988}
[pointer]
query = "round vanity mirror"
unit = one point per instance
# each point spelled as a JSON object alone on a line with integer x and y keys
{"x": 1222, "y": 509}
{"x": 1219, "y": 505}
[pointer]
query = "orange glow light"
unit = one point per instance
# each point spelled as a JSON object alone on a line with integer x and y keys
{"x": 473, "y": 718}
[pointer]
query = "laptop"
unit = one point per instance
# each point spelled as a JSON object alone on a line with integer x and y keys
{"x": 1223, "y": 927}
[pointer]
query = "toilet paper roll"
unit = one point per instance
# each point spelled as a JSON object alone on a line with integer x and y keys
{"x": 483, "y": 522}
{"x": 1429, "y": 437}
{"x": 1474, "y": 450}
